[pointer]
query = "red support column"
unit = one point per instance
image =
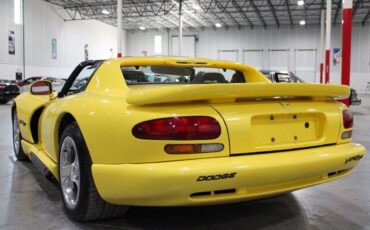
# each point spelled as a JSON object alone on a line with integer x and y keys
{"x": 322, "y": 45}
{"x": 327, "y": 42}
{"x": 327, "y": 66}
{"x": 346, "y": 43}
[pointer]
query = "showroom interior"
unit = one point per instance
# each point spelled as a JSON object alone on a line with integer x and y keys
{"x": 319, "y": 41}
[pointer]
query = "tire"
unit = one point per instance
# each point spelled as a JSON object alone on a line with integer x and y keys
{"x": 4, "y": 101}
{"x": 17, "y": 137}
{"x": 81, "y": 199}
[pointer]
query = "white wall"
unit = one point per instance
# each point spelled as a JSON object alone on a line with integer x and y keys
{"x": 9, "y": 64}
{"x": 42, "y": 23}
{"x": 210, "y": 41}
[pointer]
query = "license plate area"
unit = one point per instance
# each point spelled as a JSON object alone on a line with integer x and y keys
{"x": 288, "y": 129}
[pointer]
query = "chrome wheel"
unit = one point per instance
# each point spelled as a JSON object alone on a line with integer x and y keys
{"x": 16, "y": 135}
{"x": 69, "y": 172}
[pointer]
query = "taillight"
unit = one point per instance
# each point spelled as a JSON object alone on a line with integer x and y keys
{"x": 178, "y": 128}
{"x": 2, "y": 87}
{"x": 347, "y": 119}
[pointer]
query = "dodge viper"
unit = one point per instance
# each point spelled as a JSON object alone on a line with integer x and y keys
{"x": 214, "y": 132}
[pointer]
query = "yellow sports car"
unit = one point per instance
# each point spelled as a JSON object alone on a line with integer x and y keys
{"x": 180, "y": 131}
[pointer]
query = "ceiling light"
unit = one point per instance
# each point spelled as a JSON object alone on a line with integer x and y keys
{"x": 105, "y": 12}
{"x": 300, "y": 3}
{"x": 142, "y": 28}
{"x": 302, "y": 22}
{"x": 196, "y": 7}
{"x": 218, "y": 25}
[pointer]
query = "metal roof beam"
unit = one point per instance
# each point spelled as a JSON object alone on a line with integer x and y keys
{"x": 207, "y": 9}
{"x": 190, "y": 24}
{"x": 204, "y": 22}
{"x": 339, "y": 4}
{"x": 223, "y": 9}
{"x": 355, "y": 7}
{"x": 289, "y": 13}
{"x": 366, "y": 18}
{"x": 273, "y": 12}
{"x": 258, "y": 13}
{"x": 241, "y": 12}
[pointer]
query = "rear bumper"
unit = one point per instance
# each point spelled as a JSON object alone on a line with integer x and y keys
{"x": 261, "y": 175}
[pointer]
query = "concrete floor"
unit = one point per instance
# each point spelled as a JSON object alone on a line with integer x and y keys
{"x": 30, "y": 201}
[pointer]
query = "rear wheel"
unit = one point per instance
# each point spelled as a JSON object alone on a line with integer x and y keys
{"x": 80, "y": 196}
{"x": 17, "y": 137}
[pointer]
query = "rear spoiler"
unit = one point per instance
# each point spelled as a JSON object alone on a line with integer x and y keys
{"x": 158, "y": 94}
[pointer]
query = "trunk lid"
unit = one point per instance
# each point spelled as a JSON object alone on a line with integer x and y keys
{"x": 273, "y": 125}
{"x": 259, "y": 117}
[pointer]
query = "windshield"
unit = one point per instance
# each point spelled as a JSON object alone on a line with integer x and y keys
{"x": 180, "y": 75}
{"x": 297, "y": 79}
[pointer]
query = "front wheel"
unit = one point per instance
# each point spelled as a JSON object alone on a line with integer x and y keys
{"x": 17, "y": 137}
{"x": 80, "y": 196}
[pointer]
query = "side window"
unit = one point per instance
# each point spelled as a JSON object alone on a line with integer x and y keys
{"x": 82, "y": 79}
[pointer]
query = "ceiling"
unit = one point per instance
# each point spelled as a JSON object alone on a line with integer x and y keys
{"x": 201, "y": 14}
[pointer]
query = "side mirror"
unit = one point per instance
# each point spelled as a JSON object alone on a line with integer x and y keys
{"x": 41, "y": 88}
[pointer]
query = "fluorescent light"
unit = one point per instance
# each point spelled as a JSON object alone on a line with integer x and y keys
{"x": 302, "y": 22}
{"x": 142, "y": 28}
{"x": 218, "y": 25}
{"x": 105, "y": 11}
{"x": 196, "y": 7}
{"x": 300, "y": 3}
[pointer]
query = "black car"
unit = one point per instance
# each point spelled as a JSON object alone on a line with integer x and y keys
{"x": 8, "y": 90}
{"x": 290, "y": 77}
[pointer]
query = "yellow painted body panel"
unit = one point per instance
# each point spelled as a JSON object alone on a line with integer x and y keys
{"x": 155, "y": 94}
{"x": 260, "y": 126}
{"x": 30, "y": 104}
{"x": 173, "y": 183}
{"x": 106, "y": 118}
{"x": 39, "y": 152}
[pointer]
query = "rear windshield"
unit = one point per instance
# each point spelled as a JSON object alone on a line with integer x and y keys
{"x": 180, "y": 75}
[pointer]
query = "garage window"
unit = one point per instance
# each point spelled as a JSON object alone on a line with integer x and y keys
{"x": 18, "y": 12}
